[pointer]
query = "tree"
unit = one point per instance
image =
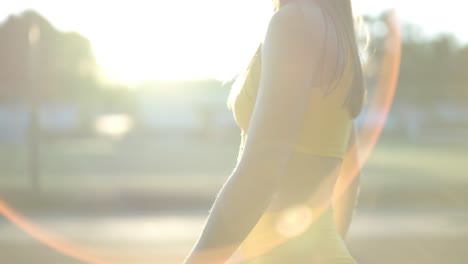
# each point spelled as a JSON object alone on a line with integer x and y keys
{"x": 66, "y": 65}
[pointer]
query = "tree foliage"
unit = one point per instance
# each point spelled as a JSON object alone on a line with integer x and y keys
{"x": 432, "y": 70}
{"x": 59, "y": 66}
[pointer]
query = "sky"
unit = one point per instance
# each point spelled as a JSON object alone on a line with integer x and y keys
{"x": 142, "y": 40}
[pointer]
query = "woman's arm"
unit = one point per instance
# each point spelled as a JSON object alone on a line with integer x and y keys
{"x": 347, "y": 187}
{"x": 289, "y": 56}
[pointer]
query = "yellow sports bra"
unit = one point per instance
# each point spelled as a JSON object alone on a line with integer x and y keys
{"x": 327, "y": 124}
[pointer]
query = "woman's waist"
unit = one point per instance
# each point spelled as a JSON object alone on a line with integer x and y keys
{"x": 313, "y": 147}
{"x": 308, "y": 180}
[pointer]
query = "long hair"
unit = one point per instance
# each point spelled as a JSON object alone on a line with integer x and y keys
{"x": 341, "y": 15}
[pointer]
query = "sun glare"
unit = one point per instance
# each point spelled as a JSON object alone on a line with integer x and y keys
{"x": 136, "y": 41}
{"x": 139, "y": 40}
{"x": 178, "y": 39}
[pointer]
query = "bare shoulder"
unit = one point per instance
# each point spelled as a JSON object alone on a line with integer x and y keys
{"x": 296, "y": 21}
{"x": 300, "y": 33}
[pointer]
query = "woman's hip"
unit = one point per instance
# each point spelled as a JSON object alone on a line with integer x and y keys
{"x": 273, "y": 241}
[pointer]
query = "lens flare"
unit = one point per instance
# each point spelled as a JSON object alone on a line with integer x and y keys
{"x": 381, "y": 101}
{"x": 295, "y": 222}
{"x": 51, "y": 240}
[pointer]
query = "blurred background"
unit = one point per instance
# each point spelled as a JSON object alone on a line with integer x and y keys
{"x": 115, "y": 135}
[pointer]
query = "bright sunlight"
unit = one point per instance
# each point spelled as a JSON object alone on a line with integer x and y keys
{"x": 135, "y": 41}
{"x": 139, "y": 40}
{"x": 176, "y": 40}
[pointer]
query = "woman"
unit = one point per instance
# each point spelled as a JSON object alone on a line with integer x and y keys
{"x": 295, "y": 108}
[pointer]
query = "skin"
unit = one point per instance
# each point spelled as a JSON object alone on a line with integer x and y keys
{"x": 262, "y": 180}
